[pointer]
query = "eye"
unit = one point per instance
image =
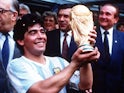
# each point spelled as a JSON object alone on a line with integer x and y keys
{"x": 32, "y": 32}
{"x": 43, "y": 31}
{"x": 108, "y": 13}
{"x": 59, "y": 16}
{"x": 2, "y": 10}
{"x": 66, "y": 16}
{"x": 51, "y": 20}
{"x": 35, "y": 31}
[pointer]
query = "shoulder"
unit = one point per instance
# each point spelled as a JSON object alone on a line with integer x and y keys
{"x": 119, "y": 33}
{"x": 16, "y": 61}
{"x": 52, "y": 36}
{"x": 17, "y": 64}
{"x": 54, "y": 32}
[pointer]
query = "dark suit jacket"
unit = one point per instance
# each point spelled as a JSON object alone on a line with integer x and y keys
{"x": 109, "y": 76}
{"x": 53, "y": 45}
{"x": 4, "y": 81}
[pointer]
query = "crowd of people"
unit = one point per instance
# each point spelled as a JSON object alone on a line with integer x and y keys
{"x": 33, "y": 57}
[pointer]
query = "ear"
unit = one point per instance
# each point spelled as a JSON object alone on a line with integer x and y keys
{"x": 15, "y": 16}
{"x": 20, "y": 42}
{"x": 116, "y": 19}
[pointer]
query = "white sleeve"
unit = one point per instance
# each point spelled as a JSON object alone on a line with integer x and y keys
{"x": 22, "y": 75}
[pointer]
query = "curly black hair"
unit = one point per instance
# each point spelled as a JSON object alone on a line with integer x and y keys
{"x": 22, "y": 26}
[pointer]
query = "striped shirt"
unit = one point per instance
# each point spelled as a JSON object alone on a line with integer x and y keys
{"x": 23, "y": 72}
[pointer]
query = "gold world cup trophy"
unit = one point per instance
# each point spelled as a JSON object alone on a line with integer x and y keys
{"x": 81, "y": 24}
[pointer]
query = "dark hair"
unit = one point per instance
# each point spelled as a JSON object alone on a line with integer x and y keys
{"x": 65, "y": 6}
{"x": 22, "y": 26}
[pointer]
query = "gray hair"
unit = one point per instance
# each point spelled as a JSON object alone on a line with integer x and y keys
{"x": 25, "y": 7}
{"x": 15, "y": 5}
{"x": 50, "y": 13}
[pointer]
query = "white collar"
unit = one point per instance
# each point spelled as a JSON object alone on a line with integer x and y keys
{"x": 69, "y": 33}
{"x": 109, "y": 30}
{"x": 10, "y": 34}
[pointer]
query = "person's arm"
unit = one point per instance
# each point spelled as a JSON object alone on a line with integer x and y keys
{"x": 55, "y": 83}
{"x": 86, "y": 75}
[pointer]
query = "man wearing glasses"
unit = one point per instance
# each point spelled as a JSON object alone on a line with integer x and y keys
{"x": 8, "y": 16}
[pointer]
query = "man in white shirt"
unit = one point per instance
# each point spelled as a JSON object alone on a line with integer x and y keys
{"x": 8, "y": 16}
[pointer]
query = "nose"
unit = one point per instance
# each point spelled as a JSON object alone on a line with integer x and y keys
{"x": 41, "y": 34}
{"x": 47, "y": 21}
{"x": 103, "y": 15}
{"x": 61, "y": 18}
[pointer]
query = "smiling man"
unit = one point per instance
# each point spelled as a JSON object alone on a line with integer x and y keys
{"x": 109, "y": 70}
{"x": 36, "y": 73}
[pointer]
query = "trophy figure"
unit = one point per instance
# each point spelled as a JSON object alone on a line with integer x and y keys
{"x": 81, "y": 24}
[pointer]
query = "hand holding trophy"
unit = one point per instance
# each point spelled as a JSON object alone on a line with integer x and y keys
{"x": 81, "y": 24}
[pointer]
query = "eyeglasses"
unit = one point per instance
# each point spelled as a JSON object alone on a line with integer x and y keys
{"x": 4, "y": 11}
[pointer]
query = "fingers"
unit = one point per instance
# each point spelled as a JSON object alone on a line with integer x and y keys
{"x": 81, "y": 57}
{"x": 94, "y": 28}
{"x": 89, "y": 56}
{"x": 96, "y": 54}
{"x": 92, "y": 37}
{"x": 92, "y": 41}
{"x": 93, "y": 34}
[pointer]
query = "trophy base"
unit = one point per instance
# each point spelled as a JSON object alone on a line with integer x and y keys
{"x": 87, "y": 48}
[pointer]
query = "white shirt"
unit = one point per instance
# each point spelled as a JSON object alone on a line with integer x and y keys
{"x": 11, "y": 43}
{"x": 68, "y": 38}
{"x": 110, "y": 37}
